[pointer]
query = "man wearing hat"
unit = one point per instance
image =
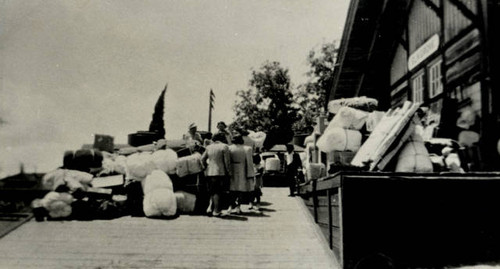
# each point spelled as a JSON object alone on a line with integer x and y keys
{"x": 193, "y": 135}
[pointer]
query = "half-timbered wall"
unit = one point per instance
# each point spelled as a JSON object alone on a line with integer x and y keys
{"x": 423, "y": 22}
{"x": 455, "y": 20}
{"x": 399, "y": 65}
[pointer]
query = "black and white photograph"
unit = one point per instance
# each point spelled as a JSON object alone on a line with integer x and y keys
{"x": 250, "y": 134}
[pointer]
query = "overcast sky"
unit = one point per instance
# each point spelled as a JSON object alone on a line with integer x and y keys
{"x": 71, "y": 69}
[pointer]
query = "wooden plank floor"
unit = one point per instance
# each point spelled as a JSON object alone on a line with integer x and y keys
{"x": 282, "y": 236}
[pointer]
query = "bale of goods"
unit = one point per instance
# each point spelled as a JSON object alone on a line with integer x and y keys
{"x": 160, "y": 202}
{"x": 139, "y": 166}
{"x": 414, "y": 157}
{"x": 165, "y": 160}
{"x": 272, "y": 164}
{"x": 156, "y": 180}
{"x": 315, "y": 170}
{"x": 159, "y": 199}
{"x": 339, "y": 139}
{"x": 185, "y": 202}
{"x": 348, "y": 118}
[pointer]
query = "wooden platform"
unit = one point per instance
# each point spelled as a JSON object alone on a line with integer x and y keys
{"x": 282, "y": 236}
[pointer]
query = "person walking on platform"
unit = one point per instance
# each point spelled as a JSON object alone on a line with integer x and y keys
{"x": 293, "y": 164}
{"x": 217, "y": 160}
{"x": 242, "y": 174}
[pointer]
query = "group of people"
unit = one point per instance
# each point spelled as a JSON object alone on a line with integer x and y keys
{"x": 233, "y": 171}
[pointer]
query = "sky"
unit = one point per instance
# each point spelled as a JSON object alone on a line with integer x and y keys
{"x": 72, "y": 69}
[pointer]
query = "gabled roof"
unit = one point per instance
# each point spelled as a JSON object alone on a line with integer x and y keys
{"x": 372, "y": 29}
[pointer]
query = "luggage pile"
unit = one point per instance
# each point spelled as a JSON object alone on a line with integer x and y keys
{"x": 351, "y": 124}
{"x": 360, "y": 138}
{"x": 149, "y": 180}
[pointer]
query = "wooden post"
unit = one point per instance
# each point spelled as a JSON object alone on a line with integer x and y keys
{"x": 330, "y": 220}
{"x": 315, "y": 200}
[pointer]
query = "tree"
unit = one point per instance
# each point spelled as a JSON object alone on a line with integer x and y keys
{"x": 310, "y": 97}
{"x": 157, "y": 124}
{"x": 267, "y": 104}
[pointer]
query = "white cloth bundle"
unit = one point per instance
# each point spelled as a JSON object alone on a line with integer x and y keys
{"x": 339, "y": 139}
{"x": 315, "y": 170}
{"x": 258, "y": 138}
{"x": 309, "y": 139}
{"x": 348, "y": 118}
{"x": 57, "y": 204}
{"x": 362, "y": 102}
{"x": 414, "y": 157}
{"x": 185, "y": 201}
{"x": 160, "y": 202}
{"x": 272, "y": 164}
{"x": 112, "y": 163}
{"x": 159, "y": 199}
{"x": 165, "y": 160}
{"x": 373, "y": 119}
{"x": 156, "y": 180}
{"x": 139, "y": 166}
{"x": 71, "y": 178}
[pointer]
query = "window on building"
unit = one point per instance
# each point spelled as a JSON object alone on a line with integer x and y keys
{"x": 435, "y": 83}
{"x": 418, "y": 88}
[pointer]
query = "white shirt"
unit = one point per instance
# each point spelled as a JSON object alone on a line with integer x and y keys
{"x": 289, "y": 158}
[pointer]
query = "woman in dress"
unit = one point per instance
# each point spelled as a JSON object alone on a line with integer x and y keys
{"x": 242, "y": 174}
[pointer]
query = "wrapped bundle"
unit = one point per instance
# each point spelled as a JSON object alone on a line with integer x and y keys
{"x": 58, "y": 205}
{"x": 258, "y": 138}
{"x": 414, "y": 157}
{"x": 160, "y": 202}
{"x": 363, "y": 103}
{"x": 156, "y": 180}
{"x": 194, "y": 163}
{"x": 339, "y": 139}
{"x": 120, "y": 165}
{"x": 315, "y": 170}
{"x": 309, "y": 139}
{"x": 185, "y": 201}
{"x": 159, "y": 199}
{"x": 348, "y": 118}
{"x": 165, "y": 160}
{"x": 181, "y": 167}
{"x": 189, "y": 165}
{"x": 71, "y": 178}
{"x": 114, "y": 164}
{"x": 390, "y": 131}
{"x": 139, "y": 166}
{"x": 128, "y": 151}
{"x": 373, "y": 119}
{"x": 272, "y": 164}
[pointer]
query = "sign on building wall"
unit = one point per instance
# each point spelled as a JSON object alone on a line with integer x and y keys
{"x": 424, "y": 51}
